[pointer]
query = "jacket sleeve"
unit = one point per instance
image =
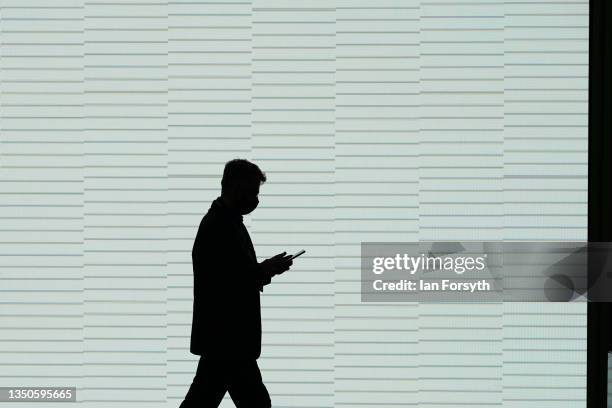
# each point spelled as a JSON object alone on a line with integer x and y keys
{"x": 253, "y": 272}
{"x": 264, "y": 278}
{"x": 218, "y": 254}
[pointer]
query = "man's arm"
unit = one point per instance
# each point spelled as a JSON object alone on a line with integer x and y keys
{"x": 262, "y": 272}
{"x": 255, "y": 273}
{"x": 228, "y": 263}
{"x": 274, "y": 266}
{"x": 262, "y": 277}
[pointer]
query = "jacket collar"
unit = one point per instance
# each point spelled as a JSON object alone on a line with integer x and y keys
{"x": 220, "y": 206}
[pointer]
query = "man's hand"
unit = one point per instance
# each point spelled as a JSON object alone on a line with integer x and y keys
{"x": 277, "y": 264}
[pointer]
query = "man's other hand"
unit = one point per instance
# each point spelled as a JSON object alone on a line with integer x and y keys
{"x": 277, "y": 264}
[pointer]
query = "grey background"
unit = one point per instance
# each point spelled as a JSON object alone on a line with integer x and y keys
{"x": 374, "y": 120}
{"x": 514, "y": 271}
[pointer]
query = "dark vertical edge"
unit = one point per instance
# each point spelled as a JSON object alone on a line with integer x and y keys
{"x": 599, "y": 183}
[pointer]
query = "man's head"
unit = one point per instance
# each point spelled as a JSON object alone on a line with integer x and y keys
{"x": 240, "y": 185}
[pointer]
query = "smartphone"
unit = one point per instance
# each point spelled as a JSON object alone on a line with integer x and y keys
{"x": 297, "y": 254}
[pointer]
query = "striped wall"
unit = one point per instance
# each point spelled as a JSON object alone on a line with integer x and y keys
{"x": 374, "y": 121}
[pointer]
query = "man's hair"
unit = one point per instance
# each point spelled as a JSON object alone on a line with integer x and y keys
{"x": 239, "y": 170}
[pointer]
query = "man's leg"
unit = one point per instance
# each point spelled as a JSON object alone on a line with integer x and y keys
{"x": 208, "y": 386}
{"x": 245, "y": 385}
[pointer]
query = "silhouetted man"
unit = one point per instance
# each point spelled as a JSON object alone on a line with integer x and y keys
{"x": 226, "y": 326}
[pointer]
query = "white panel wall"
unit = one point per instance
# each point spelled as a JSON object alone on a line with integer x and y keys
{"x": 373, "y": 120}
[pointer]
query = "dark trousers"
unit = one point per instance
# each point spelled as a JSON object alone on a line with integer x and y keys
{"x": 241, "y": 378}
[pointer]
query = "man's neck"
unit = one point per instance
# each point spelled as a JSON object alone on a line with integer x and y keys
{"x": 227, "y": 203}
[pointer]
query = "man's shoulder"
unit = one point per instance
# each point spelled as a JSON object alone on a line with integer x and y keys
{"x": 213, "y": 222}
{"x": 213, "y": 217}
{"x": 210, "y": 232}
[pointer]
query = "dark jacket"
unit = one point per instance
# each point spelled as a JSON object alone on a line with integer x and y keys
{"x": 227, "y": 281}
